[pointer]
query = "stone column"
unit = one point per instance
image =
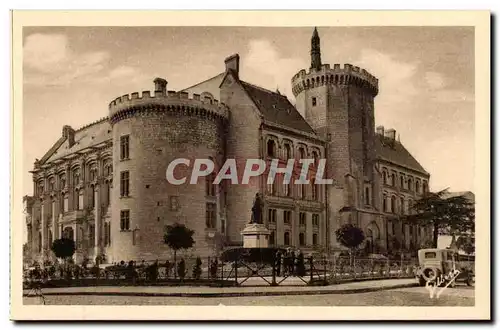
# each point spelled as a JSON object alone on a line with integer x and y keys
{"x": 294, "y": 240}
{"x": 34, "y": 235}
{"x": 309, "y": 229}
{"x": 43, "y": 220}
{"x": 98, "y": 221}
{"x": 69, "y": 187}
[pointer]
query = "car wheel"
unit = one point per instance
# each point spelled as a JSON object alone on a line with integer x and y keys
{"x": 430, "y": 274}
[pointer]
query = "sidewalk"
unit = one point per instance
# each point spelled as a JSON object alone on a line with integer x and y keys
{"x": 192, "y": 291}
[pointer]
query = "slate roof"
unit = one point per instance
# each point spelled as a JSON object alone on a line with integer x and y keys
{"x": 85, "y": 137}
{"x": 276, "y": 108}
{"x": 394, "y": 152}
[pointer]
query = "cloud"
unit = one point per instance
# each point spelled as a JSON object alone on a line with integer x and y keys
{"x": 265, "y": 66}
{"x": 396, "y": 77}
{"x": 44, "y": 51}
{"x": 49, "y": 61}
{"x": 451, "y": 96}
{"x": 434, "y": 80}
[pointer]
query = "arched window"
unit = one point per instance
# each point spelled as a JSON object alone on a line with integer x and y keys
{"x": 288, "y": 151}
{"x": 314, "y": 187}
{"x": 69, "y": 233}
{"x": 402, "y": 205}
{"x": 302, "y": 153}
{"x": 384, "y": 203}
{"x": 271, "y": 148}
{"x": 39, "y": 242}
{"x": 315, "y": 157}
{"x": 76, "y": 178}
{"x": 286, "y": 189}
{"x": 393, "y": 204}
{"x": 393, "y": 179}
{"x": 93, "y": 174}
{"x": 410, "y": 184}
{"x": 302, "y": 239}
{"x": 425, "y": 187}
{"x": 52, "y": 184}
{"x": 315, "y": 239}
{"x": 93, "y": 197}
{"x": 286, "y": 238}
{"x": 384, "y": 177}
{"x": 417, "y": 186}
{"x": 401, "y": 182}
{"x": 50, "y": 238}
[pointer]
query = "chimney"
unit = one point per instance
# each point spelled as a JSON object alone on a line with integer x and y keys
{"x": 160, "y": 85}
{"x": 233, "y": 63}
{"x": 391, "y": 133}
{"x": 69, "y": 134}
{"x": 380, "y": 130}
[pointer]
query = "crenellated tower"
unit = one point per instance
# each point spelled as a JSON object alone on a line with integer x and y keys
{"x": 338, "y": 103}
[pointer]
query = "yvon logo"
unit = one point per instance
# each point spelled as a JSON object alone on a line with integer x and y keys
{"x": 447, "y": 279}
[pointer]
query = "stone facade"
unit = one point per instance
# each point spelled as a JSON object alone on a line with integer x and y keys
{"x": 105, "y": 184}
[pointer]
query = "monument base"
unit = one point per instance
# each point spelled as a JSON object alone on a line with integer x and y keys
{"x": 255, "y": 235}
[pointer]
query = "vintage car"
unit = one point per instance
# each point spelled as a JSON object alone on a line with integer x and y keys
{"x": 441, "y": 267}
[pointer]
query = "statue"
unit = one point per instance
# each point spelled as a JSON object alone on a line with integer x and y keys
{"x": 257, "y": 210}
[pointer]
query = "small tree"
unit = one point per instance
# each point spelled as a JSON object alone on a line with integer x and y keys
{"x": 178, "y": 237}
{"x": 351, "y": 237}
{"x": 63, "y": 248}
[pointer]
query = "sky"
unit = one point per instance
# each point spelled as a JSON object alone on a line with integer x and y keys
{"x": 426, "y": 79}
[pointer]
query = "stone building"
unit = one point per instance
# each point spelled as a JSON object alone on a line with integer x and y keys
{"x": 104, "y": 185}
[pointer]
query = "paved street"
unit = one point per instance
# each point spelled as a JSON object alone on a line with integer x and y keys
{"x": 417, "y": 296}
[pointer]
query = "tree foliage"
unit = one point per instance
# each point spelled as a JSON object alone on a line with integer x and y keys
{"x": 63, "y": 247}
{"x": 466, "y": 243}
{"x": 350, "y": 236}
{"x": 447, "y": 215}
{"x": 179, "y": 237}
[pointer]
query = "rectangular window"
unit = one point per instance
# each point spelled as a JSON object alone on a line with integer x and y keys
{"x": 271, "y": 215}
{"x": 124, "y": 183}
{"x": 302, "y": 219}
{"x": 367, "y": 195}
{"x": 65, "y": 203}
{"x": 211, "y": 215}
{"x": 287, "y": 217}
{"x": 313, "y": 101}
{"x": 209, "y": 185}
{"x": 125, "y": 220}
{"x": 124, "y": 147}
{"x": 315, "y": 220}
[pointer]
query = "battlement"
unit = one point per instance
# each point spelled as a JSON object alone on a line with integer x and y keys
{"x": 347, "y": 74}
{"x": 161, "y": 101}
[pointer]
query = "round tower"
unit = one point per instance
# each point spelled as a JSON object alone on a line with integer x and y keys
{"x": 338, "y": 102}
{"x": 149, "y": 132}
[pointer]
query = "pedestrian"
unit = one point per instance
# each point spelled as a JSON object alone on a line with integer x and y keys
{"x": 291, "y": 264}
{"x": 278, "y": 263}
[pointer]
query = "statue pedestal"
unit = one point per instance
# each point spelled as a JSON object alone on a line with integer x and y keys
{"x": 255, "y": 235}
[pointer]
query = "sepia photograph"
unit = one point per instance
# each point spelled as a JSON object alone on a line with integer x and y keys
{"x": 328, "y": 160}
